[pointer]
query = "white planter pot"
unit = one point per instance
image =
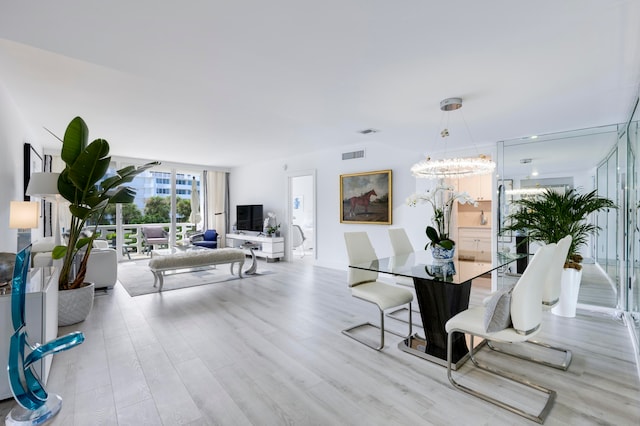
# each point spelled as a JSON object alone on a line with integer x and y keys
{"x": 569, "y": 288}
{"x": 75, "y": 305}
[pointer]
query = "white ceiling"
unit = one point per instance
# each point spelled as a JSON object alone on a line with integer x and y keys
{"x": 222, "y": 83}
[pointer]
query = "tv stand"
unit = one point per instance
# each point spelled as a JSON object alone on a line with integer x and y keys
{"x": 270, "y": 248}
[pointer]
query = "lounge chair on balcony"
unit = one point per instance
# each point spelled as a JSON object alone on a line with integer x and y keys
{"x": 153, "y": 236}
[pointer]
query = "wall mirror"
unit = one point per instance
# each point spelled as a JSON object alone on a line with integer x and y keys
{"x": 572, "y": 159}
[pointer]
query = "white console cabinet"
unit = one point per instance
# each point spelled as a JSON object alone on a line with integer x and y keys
{"x": 271, "y": 248}
{"x": 41, "y": 317}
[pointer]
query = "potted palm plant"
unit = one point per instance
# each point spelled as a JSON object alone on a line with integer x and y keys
{"x": 550, "y": 216}
{"x": 83, "y": 184}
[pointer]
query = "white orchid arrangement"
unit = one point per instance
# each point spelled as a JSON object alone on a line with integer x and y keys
{"x": 441, "y": 199}
{"x": 271, "y": 229}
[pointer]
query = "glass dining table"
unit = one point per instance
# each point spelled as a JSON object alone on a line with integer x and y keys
{"x": 442, "y": 289}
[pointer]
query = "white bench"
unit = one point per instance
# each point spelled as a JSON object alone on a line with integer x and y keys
{"x": 194, "y": 260}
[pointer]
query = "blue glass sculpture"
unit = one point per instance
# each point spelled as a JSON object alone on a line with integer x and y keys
{"x": 36, "y": 406}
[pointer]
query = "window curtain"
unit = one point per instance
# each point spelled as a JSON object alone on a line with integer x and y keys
{"x": 216, "y": 205}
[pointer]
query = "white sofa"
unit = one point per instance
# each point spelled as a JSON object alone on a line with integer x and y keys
{"x": 102, "y": 268}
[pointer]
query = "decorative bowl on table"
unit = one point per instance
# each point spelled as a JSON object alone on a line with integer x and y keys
{"x": 7, "y": 260}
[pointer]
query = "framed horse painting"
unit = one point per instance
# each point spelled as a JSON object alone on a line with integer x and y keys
{"x": 366, "y": 197}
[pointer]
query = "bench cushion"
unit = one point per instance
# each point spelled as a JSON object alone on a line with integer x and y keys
{"x": 196, "y": 258}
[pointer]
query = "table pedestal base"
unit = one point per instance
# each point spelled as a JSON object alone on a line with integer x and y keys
{"x": 416, "y": 345}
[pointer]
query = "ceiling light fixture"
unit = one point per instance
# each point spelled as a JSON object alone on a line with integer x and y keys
{"x": 453, "y": 167}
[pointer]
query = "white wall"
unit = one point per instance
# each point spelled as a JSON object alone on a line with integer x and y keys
{"x": 302, "y": 186}
{"x": 13, "y": 134}
{"x": 265, "y": 183}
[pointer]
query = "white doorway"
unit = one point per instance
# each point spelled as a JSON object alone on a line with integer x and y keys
{"x": 302, "y": 213}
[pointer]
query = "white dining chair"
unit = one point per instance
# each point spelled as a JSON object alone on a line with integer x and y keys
{"x": 365, "y": 286}
{"x": 401, "y": 246}
{"x": 524, "y": 304}
{"x": 550, "y": 297}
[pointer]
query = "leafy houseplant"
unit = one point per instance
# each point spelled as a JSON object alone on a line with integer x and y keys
{"x": 272, "y": 229}
{"x": 80, "y": 184}
{"x": 550, "y": 216}
{"x": 441, "y": 199}
{"x": 271, "y": 224}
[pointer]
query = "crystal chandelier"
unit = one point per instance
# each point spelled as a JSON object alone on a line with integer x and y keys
{"x": 452, "y": 167}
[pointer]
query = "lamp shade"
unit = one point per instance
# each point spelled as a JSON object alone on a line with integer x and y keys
{"x": 43, "y": 184}
{"x": 23, "y": 214}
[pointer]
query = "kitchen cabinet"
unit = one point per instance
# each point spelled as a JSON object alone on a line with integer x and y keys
{"x": 474, "y": 244}
{"x": 478, "y": 187}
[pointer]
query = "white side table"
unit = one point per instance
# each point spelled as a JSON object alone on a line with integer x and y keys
{"x": 254, "y": 262}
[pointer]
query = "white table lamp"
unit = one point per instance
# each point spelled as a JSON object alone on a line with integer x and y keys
{"x": 23, "y": 216}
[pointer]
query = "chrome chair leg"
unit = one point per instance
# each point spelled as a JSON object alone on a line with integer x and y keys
{"x": 564, "y": 365}
{"x": 392, "y": 314}
{"x": 536, "y": 417}
{"x": 347, "y": 331}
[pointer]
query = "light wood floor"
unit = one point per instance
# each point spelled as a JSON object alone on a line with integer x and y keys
{"x": 268, "y": 351}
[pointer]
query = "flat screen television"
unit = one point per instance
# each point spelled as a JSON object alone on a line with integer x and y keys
{"x": 249, "y": 217}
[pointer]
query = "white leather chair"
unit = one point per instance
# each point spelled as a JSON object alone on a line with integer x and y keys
{"x": 41, "y": 252}
{"x": 364, "y": 286}
{"x": 526, "y": 315}
{"x": 102, "y": 266}
{"x": 401, "y": 245}
{"x": 550, "y": 297}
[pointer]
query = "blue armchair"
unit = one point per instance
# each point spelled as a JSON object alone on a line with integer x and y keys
{"x": 208, "y": 239}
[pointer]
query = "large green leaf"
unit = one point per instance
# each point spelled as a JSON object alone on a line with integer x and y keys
{"x": 448, "y": 244}
{"x": 75, "y": 140}
{"x": 432, "y": 234}
{"x": 126, "y": 175}
{"x": 66, "y": 188}
{"x": 80, "y": 211}
{"x": 90, "y": 166}
{"x": 124, "y": 195}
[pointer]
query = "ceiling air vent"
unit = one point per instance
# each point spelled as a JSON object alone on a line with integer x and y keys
{"x": 368, "y": 131}
{"x": 353, "y": 155}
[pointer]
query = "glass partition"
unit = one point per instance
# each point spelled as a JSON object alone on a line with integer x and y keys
{"x": 584, "y": 159}
{"x": 633, "y": 227}
{"x": 607, "y": 255}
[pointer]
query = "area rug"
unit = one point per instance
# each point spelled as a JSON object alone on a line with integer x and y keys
{"x": 137, "y": 279}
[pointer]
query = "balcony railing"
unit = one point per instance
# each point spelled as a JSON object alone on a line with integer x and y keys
{"x": 132, "y": 242}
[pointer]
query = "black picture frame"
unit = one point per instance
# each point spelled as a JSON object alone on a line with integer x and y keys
{"x": 32, "y": 163}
